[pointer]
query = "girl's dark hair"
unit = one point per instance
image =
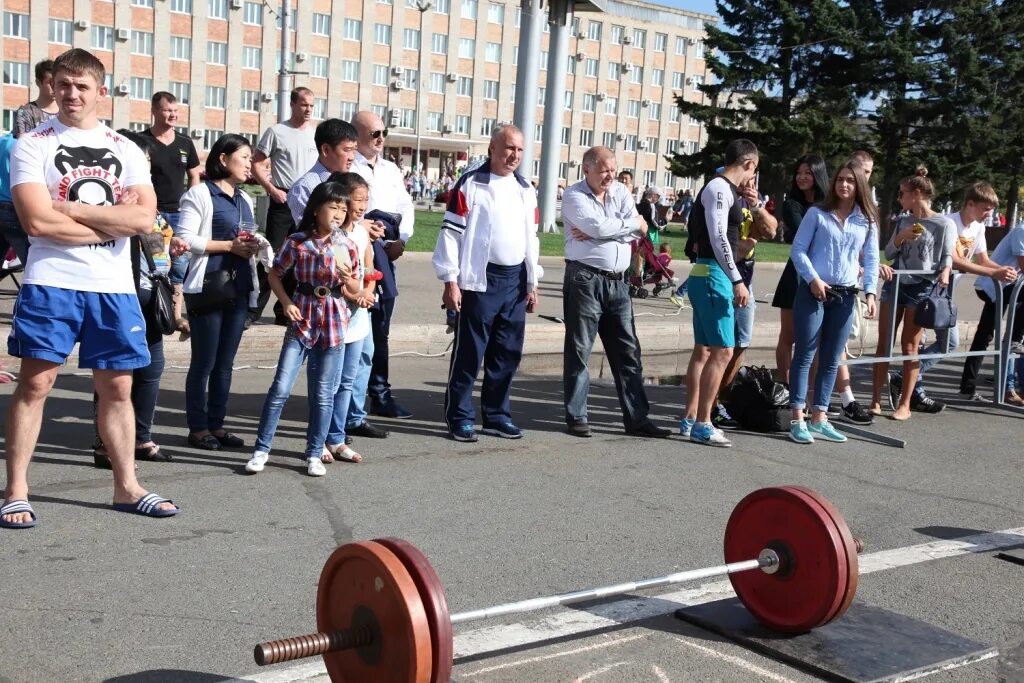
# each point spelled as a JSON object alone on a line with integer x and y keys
{"x": 228, "y": 145}
{"x": 820, "y": 173}
{"x": 862, "y": 198}
{"x": 324, "y": 192}
{"x": 349, "y": 181}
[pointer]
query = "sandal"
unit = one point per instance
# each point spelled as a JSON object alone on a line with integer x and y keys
{"x": 327, "y": 457}
{"x": 347, "y": 454}
{"x": 13, "y": 507}
{"x": 100, "y": 457}
{"x": 147, "y": 506}
{"x": 151, "y": 452}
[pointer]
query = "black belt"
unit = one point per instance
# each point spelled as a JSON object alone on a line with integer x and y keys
{"x": 604, "y": 273}
{"x": 319, "y": 291}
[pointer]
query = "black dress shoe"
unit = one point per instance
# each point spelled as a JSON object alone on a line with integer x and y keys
{"x": 368, "y": 430}
{"x": 580, "y": 429}
{"x": 391, "y": 409}
{"x": 649, "y": 429}
{"x": 206, "y": 443}
{"x": 229, "y": 440}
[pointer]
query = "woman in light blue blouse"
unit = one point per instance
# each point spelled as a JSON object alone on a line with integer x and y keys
{"x": 834, "y": 240}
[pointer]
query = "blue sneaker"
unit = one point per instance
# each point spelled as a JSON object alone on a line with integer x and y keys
{"x": 506, "y": 430}
{"x": 826, "y": 432}
{"x": 464, "y": 432}
{"x": 685, "y": 425}
{"x": 707, "y": 434}
{"x": 799, "y": 433}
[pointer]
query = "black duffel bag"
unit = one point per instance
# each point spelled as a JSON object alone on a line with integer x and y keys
{"x": 758, "y": 402}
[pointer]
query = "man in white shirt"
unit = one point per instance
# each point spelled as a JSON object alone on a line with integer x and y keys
{"x": 487, "y": 256}
{"x": 387, "y": 193}
{"x": 81, "y": 191}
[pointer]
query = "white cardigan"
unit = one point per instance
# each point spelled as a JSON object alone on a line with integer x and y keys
{"x": 195, "y": 226}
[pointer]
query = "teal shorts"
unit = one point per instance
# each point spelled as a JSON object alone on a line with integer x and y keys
{"x": 710, "y": 292}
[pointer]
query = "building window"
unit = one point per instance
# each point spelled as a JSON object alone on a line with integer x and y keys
{"x": 386, "y": 2}
{"x": 141, "y": 88}
{"x": 660, "y": 42}
{"x": 319, "y": 109}
{"x": 218, "y": 9}
{"x": 252, "y": 57}
{"x": 439, "y": 43}
{"x": 216, "y": 53}
{"x": 696, "y": 82}
{"x": 181, "y": 91}
{"x": 586, "y": 138}
{"x": 437, "y": 82}
{"x": 487, "y": 126}
{"x": 469, "y": 9}
{"x": 658, "y": 77}
{"x": 492, "y": 52}
{"x": 611, "y": 105}
{"x": 669, "y": 179}
{"x": 406, "y": 118}
{"x": 566, "y": 135}
{"x": 655, "y": 113}
{"x": 443, "y": 6}
{"x": 434, "y": 121}
{"x": 588, "y": 101}
{"x": 462, "y": 122}
{"x": 591, "y": 67}
{"x": 677, "y": 79}
{"x": 321, "y": 24}
{"x": 15, "y": 25}
{"x": 568, "y": 100}
{"x": 617, "y": 33}
{"x": 633, "y": 109}
{"x": 652, "y": 146}
{"x": 594, "y": 30}
{"x": 253, "y": 13}
{"x": 640, "y": 39}
{"x": 210, "y": 137}
{"x": 467, "y": 48}
{"x": 495, "y": 13}
{"x": 543, "y": 64}
{"x": 250, "y": 100}
{"x": 318, "y": 67}
{"x": 490, "y": 90}
{"x": 608, "y": 140}
{"x": 60, "y": 32}
{"x": 614, "y": 71}
{"x": 536, "y": 166}
{"x": 215, "y": 96}
{"x": 142, "y": 3}
{"x": 348, "y": 110}
{"x": 142, "y": 43}
{"x": 353, "y": 29}
{"x": 102, "y": 38}
{"x": 629, "y": 144}
{"x": 380, "y": 74}
{"x": 571, "y": 66}
{"x": 411, "y": 39}
{"x": 350, "y": 71}
{"x": 16, "y": 73}
{"x": 465, "y": 86}
{"x": 181, "y": 48}
{"x": 670, "y": 147}
{"x": 649, "y": 177}
{"x": 698, "y": 49}
{"x": 538, "y": 133}
{"x": 673, "y": 115}
{"x": 541, "y": 99}
{"x": 137, "y": 126}
{"x": 412, "y": 79}
{"x": 636, "y": 75}
{"x": 382, "y": 34}
{"x": 680, "y": 45}
{"x": 182, "y": 6}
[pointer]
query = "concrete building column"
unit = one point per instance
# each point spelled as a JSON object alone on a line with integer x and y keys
{"x": 528, "y": 74}
{"x": 560, "y": 18}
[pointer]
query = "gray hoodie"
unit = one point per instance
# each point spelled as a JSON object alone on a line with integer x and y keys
{"x": 932, "y": 250}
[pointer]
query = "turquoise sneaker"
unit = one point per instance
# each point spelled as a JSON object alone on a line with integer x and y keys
{"x": 799, "y": 433}
{"x": 685, "y": 425}
{"x": 826, "y": 432}
{"x": 707, "y": 434}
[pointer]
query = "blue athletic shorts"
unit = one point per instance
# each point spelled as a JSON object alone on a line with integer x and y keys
{"x": 710, "y": 292}
{"x": 109, "y": 328}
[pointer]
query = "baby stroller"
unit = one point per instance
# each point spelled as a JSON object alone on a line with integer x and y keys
{"x": 652, "y": 270}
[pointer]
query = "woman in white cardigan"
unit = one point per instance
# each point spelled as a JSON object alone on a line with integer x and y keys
{"x": 219, "y": 287}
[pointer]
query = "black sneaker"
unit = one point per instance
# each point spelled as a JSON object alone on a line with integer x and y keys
{"x": 834, "y": 410}
{"x": 856, "y": 414}
{"x": 895, "y": 391}
{"x": 721, "y": 418}
{"x": 923, "y": 403}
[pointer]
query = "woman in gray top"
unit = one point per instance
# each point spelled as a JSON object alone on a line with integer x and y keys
{"x": 921, "y": 240}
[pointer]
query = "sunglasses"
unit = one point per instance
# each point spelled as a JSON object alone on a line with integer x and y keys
{"x": 374, "y": 134}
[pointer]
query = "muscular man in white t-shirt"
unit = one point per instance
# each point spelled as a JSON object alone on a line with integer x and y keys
{"x": 81, "y": 190}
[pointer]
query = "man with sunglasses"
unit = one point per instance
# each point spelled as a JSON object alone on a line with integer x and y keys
{"x": 387, "y": 194}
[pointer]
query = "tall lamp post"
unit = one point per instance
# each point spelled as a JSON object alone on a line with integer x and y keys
{"x": 284, "y": 74}
{"x": 422, "y": 6}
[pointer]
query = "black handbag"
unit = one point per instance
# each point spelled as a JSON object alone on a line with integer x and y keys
{"x": 218, "y": 292}
{"x": 937, "y": 311}
{"x": 161, "y": 303}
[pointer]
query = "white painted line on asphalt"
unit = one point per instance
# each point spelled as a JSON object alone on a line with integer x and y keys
{"x": 572, "y": 622}
{"x": 662, "y": 676}
{"x": 565, "y": 653}
{"x": 737, "y": 661}
{"x": 598, "y": 672}
{"x": 947, "y": 667}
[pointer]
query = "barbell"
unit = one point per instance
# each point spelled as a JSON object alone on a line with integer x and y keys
{"x": 383, "y": 616}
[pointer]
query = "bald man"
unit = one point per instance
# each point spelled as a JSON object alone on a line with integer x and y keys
{"x": 487, "y": 256}
{"x": 600, "y": 221}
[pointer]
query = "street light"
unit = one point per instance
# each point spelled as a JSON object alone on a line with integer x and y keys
{"x": 422, "y": 6}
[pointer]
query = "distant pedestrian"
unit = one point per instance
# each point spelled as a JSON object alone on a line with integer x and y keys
{"x": 41, "y": 109}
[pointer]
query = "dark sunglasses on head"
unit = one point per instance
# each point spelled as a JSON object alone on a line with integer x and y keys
{"x": 374, "y": 134}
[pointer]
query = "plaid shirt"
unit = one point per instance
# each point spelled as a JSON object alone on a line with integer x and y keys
{"x": 324, "y": 321}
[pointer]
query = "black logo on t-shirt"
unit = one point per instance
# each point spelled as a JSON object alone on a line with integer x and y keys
{"x": 91, "y": 176}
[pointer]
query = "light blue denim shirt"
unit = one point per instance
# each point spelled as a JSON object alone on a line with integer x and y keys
{"x": 825, "y": 249}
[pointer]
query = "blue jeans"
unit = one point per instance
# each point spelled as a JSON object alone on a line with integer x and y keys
{"x": 360, "y": 384}
{"x": 215, "y": 338}
{"x": 321, "y": 379}
{"x": 179, "y": 264}
{"x": 11, "y": 230}
{"x": 945, "y": 341}
{"x": 823, "y": 328}
{"x": 351, "y": 367}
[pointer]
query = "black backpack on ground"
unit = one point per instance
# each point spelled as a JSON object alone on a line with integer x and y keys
{"x": 758, "y": 402}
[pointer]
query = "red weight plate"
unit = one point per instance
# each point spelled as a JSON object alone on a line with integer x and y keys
{"x": 434, "y": 601}
{"x": 807, "y": 592}
{"x": 365, "y": 583}
{"x": 850, "y": 545}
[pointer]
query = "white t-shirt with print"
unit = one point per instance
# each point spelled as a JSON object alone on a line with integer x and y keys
{"x": 91, "y": 166}
{"x": 359, "y": 323}
{"x": 970, "y": 239}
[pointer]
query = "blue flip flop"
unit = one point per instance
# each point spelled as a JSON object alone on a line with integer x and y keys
{"x": 13, "y": 507}
{"x": 148, "y": 506}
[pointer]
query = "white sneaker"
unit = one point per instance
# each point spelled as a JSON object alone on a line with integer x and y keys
{"x": 256, "y": 462}
{"x": 315, "y": 468}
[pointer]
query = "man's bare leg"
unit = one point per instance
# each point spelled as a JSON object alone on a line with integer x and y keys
{"x": 698, "y": 359}
{"x": 24, "y": 420}
{"x": 710, "y": 379}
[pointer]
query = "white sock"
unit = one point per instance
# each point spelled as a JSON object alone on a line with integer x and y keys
{"x": 846, "y": 396}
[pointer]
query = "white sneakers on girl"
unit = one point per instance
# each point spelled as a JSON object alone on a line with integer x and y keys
{"x": 256, "y": 462}
{"x": 315, "y": 468}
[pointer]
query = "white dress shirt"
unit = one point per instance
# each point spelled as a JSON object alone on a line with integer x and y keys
{"x": 611, "y": 226}
{"x": 387, "y": 190}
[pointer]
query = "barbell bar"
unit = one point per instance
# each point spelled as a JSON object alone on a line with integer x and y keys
{"x": 383, "y": 615}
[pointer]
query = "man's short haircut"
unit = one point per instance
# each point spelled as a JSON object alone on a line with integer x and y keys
{"x": 333, "y": 132}
{"x": 629, "y": 173}
{"x": 297, "y": 92}
{"x": 226, "y": 144}
{"x": 79, "y": 62}
{"x": 981, "y": 193}
{"x": 500, "y": 131}
{"x": 738, "y": 151}
{"x": 161, "y": 97}
{"x": 44, "y": 69}
{"x": 863, "y": 156}
{"x": 145, "y": 143}
{"x": 594, "y": 154}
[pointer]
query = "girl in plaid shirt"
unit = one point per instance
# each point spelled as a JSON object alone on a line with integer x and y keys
{"x": 319, "y": 315}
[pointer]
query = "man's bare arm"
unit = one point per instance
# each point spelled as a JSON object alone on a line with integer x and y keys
{"x": 261, "y": 172}
{"x": 194, "y": 176}
{"x": 39, "y": 219}
{"x": 120, "y": 220}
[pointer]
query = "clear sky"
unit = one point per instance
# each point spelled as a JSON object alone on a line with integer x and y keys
{"x": 707, "y": 6}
